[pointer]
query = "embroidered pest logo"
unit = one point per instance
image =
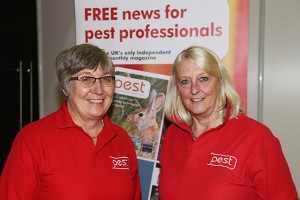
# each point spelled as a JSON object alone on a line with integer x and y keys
{"x": 120, "y": 162}
{"x": 220, "y": 160}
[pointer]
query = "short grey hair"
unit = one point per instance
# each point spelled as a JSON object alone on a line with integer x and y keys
{"x": 79, "y": 57}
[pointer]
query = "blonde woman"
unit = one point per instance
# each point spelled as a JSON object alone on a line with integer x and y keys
{"x": 211, "y": 150}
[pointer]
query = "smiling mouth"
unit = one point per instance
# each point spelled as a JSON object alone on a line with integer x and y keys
{"x": 197, "y": 100}
{"x": 96, "y": 100}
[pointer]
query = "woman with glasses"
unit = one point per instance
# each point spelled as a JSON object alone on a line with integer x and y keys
{"x": 212, "y": 151}
{"x": 75, "y": 152}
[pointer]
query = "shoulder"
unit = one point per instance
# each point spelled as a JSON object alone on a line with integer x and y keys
{"x": 50, "y": 123}
{"x": 34, "y": 135}
{"x": 247, "y": 122}
{"x": 251, "y": 128}
{"x": 42, "y": 125}
{"x": 176, "y": 132}
{"x": 121, "y": 132}
{"x": 116, "y": 127}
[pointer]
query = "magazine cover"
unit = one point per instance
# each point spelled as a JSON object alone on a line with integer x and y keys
{"x": 154, "y": 183}
{"x": 138, "y": 108}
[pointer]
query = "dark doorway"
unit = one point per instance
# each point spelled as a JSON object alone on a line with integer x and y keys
{"x": 19, "y": 80}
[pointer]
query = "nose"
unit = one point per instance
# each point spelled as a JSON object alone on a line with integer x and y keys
{"x": 195, "y": 87}
{"x": 97, "y": 87}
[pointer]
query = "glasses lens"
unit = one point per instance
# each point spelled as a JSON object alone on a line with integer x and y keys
{"x": 86, "y": 81}
{"x": 107, "y": 80}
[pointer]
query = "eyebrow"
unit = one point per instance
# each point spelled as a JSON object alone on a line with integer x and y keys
{"x": 185, "y": 76}
{"x": 91, "y": 75}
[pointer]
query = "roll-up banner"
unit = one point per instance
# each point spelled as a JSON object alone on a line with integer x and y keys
{"x": 143, "y": 38}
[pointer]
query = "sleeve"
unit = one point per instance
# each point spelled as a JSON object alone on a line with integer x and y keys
{"x": 276, "y": 182}
{"x": 136, "y": 181}
{"x": 138, "y": 193}
{"x": 19, "y": 177}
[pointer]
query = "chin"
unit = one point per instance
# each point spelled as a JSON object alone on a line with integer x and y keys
{"x": 197, "y": 112}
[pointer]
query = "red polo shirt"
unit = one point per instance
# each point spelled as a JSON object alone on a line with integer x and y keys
{"x": 54, "y": 159}
{"x": 240, "y": 159}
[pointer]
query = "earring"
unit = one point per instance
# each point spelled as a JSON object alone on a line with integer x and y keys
{"x": 65, "y": 93}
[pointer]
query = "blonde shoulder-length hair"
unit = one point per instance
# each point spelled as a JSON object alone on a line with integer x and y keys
{"x": 211, "y": 64}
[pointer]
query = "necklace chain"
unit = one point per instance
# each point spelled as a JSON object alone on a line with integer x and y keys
{"x": 221, "y": 122}
{"x": 193, "y": 135}
{"x": 95, "y": 137}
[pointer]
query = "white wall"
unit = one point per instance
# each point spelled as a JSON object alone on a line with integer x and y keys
{"x": 274, "y": 52}
{"x": 281, "y": 105}
{"x": 56, "y": 31}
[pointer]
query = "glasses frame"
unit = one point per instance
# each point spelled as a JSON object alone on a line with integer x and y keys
{"x": 81, "y": 82}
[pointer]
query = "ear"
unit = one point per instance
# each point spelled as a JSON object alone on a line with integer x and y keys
{"x": 65, "y": 92}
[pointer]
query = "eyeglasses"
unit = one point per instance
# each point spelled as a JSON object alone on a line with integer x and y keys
{"x": 89, "y": 81}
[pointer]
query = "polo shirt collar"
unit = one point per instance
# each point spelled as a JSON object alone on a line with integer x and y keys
{"x": 63, "y": 117}
{"x": 186, "y": 127}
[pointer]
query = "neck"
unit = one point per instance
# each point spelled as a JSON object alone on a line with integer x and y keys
{"x": 94, "y": 131}
{"x": 200, "y": 126}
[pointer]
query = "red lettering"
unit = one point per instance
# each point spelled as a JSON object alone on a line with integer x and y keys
{"x": 101, "y": 14}
{"x": 143, "y": 14}
{"x": 99, "y": 34}
{"x": 135, "y": 87}
{"x": 174, "y": 13}
{"x": 128, "y": 85}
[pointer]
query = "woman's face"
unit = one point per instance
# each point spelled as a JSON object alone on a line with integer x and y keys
{"x": 89, "y": 103}
{"x": 198, "y": 91}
